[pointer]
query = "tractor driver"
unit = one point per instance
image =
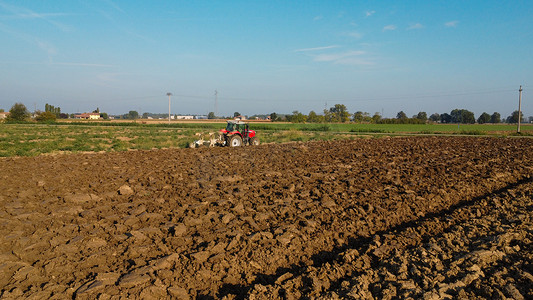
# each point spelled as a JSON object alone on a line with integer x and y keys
{"x": 229, "y": 127}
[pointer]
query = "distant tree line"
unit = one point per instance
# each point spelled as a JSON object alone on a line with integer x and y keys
{"x": 52, "y": 109}
{"x": 19, "y": 113}
{"x": 339, "y": 114}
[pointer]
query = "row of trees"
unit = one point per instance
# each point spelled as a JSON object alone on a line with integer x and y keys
{"x": 336, "y": 114}
{"x": 50, "y": 108}
{"x": 465, "y": 116}
{"x": 340, "y": 114}
{"x": 19, "y": 113}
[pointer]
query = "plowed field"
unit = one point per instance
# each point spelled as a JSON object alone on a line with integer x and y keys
{"x": 430, "y": 218}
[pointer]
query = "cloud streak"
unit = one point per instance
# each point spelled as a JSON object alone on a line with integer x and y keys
{"x": 337, "y": 56}
{"x": 323, "y": 54}
{"x": 34, "y": 16}
{"x": 351, "y": 58}
{"x": 74, "y": 64}
{"x": 453, "y": 23}
{"x": 389, "y": 28}
{"x": 115, "y": 6}
{"x": 51, "y": 63}
{"x": 354, "y": 34}
{"x": 316, "y": 48}
{"x": 415, "y": 26}
{"x": 24, "y": 13}
{"x": 45, "y": 46}
{"x": 117, "y": 20}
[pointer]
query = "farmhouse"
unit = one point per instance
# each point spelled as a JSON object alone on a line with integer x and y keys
{"x": 88, "y": 116}
{"x": 4, "y": 115}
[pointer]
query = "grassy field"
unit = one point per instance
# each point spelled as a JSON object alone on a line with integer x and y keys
{"x": 36, "y": 139}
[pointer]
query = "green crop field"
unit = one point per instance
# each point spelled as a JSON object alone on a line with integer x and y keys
{"x": 35, "y": 139}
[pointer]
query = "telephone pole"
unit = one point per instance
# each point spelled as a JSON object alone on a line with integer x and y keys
{"x": 169, "y": 94}
{"x": 216, "y": 104}
{"x": 519, "y": 107}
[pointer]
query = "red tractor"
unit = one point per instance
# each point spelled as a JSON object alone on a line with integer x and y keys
{"x": 237, "y": 134}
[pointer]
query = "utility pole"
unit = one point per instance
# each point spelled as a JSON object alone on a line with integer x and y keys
{"x": 169, "y": 94}
{"x": 216, "y": 104}
{"x": 519, "y": 107}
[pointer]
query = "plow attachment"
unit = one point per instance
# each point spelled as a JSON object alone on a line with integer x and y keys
{"x": 208, "y": 140}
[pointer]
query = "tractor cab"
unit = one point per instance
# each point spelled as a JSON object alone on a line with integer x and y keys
{"x": 237, "y": 127}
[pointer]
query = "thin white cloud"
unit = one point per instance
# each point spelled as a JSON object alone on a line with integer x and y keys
{"x": 389, "y": 28}
{"x": 34, "y": 16}
{"x": 106, "y": 15}
{"x": 316, "y": 48}
{"x": 415, "y": 26}
{"x": 321, "y": 54}
{"x": 370, "y": 13}
{"x": 337, "y": 56}
{"x": 324, "y": 54}
{"x": 352, "y": 61}
{"x": 451, "y": 23}
{"x": 51, "y": 63}
{"x": 354, "y": 34}
{"x": 115, "y": 6}
{"x": 82, "y": 64}
{"x": 109, "y": 13}
{"x": 46, "y": 47}
{"x": 24, "y": 13}
{"x": 352, "y": 57}
{"x": 317, "y": 18}
{"x": 43, "y": 45}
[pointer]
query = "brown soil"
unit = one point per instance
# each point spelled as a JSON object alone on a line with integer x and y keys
{"x": 371, "y": 218}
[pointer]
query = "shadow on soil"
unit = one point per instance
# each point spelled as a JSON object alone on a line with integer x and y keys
{"x": 360, "y": 244}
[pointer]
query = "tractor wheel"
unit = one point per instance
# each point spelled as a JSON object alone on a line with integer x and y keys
{"x": 235, "y": 141}
{"x": 254, "y": 141}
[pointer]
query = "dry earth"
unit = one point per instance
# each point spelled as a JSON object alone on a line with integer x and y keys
{"x": 371, "y": 218}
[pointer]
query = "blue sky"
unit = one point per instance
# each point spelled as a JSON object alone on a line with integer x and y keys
{"x": 267, "y": 56}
